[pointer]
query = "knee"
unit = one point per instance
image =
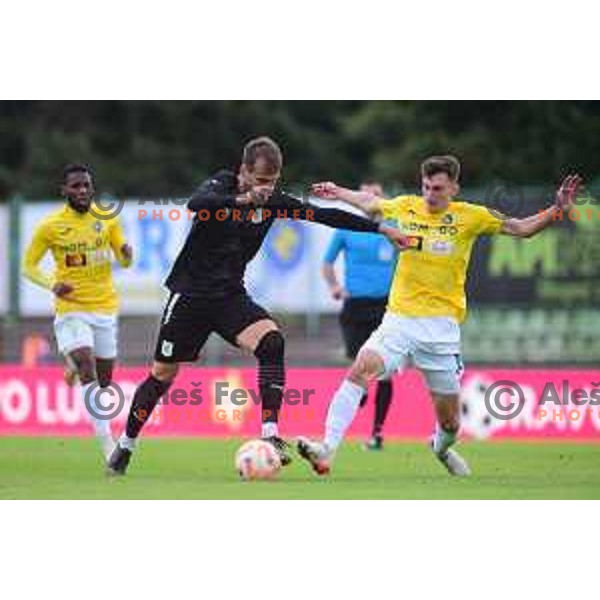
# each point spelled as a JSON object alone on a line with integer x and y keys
{"x": 86, "y": 370}
{"x": 365, "y": 369}
{"x": 165, "y": 372}
{"x": 447, "y": 410}
{"x": 449, "y": 421}
{"x": 271, "y": 348}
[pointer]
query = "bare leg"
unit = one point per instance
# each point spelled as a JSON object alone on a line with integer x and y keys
{"x": 83, "y": 362}
{"x": 447, "y": 412}
{"x": 104, "y": 370}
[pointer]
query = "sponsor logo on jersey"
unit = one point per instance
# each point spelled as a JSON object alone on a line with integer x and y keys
{"x": 414, "y": 242}
{"x": 75, "y": 260}
{"x": 441, "y": 247}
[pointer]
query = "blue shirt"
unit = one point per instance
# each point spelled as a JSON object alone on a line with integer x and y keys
{"x": 370, "y": 260}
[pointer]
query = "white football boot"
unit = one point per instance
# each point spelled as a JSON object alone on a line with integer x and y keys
{"x": 454, "y": 463}
{"x": 316, "y": 453}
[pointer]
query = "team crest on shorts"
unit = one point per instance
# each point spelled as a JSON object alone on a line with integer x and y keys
{"x": 166, "y": 348}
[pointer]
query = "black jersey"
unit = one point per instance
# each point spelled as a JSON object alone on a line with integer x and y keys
{"x": 225, "y": 237}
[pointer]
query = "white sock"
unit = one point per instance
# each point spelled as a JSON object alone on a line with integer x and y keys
{"x": 269, "y": 430}
{"x": 442, "y": 440}
{"x": 127, "y": 442}
{"x": 341, "y": 413}
{"x": 101, "y": 426}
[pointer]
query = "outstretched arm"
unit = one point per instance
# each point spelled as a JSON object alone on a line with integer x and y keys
{"x": 364, "y": 201}
{"x": 340, "y": 219}
{"x": 529, "y": 226}
{"x": 213, "y": 194}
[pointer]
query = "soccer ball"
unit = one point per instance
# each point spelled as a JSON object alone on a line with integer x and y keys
{"x": 257, "y": 459}
{"x": 475, "y": 418}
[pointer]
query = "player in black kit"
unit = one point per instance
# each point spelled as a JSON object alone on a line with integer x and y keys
{"x": 234, "y": 214}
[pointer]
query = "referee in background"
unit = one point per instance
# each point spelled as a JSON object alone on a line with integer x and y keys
{"x": 369, "y": 261}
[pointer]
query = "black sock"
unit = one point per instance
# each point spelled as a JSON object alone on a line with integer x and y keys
{"x": 383, "y": 399}
{"x": 271, "y": 374}
{"x": 363, "y": 400}
{"x": 146, "y": 397}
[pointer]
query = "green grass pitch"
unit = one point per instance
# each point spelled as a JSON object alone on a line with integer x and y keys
{"x": 55, "y": 468}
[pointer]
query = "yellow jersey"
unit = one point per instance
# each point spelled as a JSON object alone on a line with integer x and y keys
{"x": 429, "y": 280}
{"x": 82, "y": 247}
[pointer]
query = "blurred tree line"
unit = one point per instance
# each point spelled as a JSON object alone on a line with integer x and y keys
{"x": 164, "y": 148}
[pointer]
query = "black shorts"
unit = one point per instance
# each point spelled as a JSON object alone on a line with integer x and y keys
{"x": 359, "y": 318}
{"x": 188, "y": 321}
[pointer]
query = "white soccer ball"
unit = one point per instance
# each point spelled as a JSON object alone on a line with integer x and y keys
{"x": 257, "y": 459}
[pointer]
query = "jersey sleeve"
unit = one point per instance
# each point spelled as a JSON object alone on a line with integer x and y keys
{"x": 331, "y": 217}
{"x": 486, "y": 221}
{"x": 117, "y": 241}
{"x": 216, "y": 192}
{"x": 34, "y": 253}
{"x": 390, "y": 209}
{"x": 336, "y": 245}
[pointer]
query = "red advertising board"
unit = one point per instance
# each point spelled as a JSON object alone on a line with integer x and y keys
{"x": 224, "y": 402}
